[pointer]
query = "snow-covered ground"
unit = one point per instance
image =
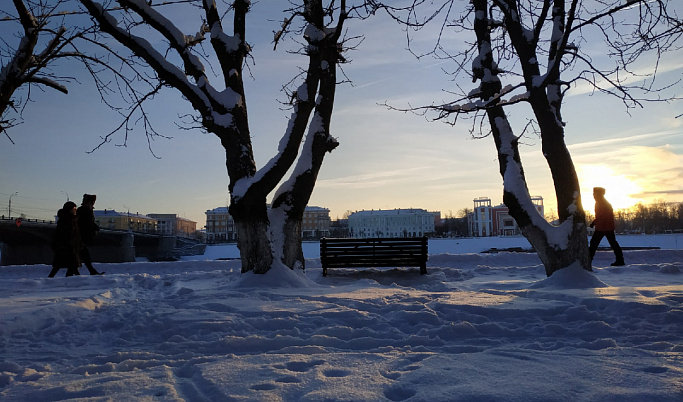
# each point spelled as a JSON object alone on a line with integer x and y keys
{"x": 480, "y": 327}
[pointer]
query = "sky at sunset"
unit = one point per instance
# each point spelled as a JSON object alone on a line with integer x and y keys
{"x": 386, "y": 159}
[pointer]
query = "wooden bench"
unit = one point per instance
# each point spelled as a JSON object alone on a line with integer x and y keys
{"x": 373, "y": 252}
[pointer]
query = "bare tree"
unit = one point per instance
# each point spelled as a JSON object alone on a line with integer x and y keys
{"x": 267, "y": 235}
{"x": 540, "y": 49}
{"x": 25, "y": 64}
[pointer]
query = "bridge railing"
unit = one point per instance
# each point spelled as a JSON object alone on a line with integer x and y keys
{"x": 14, "y": 218}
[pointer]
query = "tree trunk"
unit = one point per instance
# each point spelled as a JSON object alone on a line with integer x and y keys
{"x": 292, "y": 251}
{"x": 253, "y": 235}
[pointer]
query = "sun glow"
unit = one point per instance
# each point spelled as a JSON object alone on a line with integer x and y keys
{"x": 619, "y": 188}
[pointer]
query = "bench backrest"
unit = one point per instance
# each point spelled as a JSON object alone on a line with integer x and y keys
{"x": 373, "y": 252}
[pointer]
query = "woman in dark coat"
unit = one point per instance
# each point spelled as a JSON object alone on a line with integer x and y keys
{"x": 66, "y": 243}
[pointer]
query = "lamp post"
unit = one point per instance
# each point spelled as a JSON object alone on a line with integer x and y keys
{"x": 65, "y": 193}
{"x": 9, "y": 207}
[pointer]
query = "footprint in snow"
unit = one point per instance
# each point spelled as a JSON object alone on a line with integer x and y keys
{"x": 399, "y": 393}
{"x": 263, "y": 387}
{"x": 301, "y": 367}
{"x": 655, "y": 369}
{"x": 336, "y": 373}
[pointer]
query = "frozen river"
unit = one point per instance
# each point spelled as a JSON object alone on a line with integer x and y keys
{"x": 468, "y": 245}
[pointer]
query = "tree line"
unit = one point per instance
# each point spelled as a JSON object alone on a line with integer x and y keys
{"x": 657, "y": 217}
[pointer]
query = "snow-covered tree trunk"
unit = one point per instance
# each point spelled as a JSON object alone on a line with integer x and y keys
{"x": 564, "y": 245}
{"x": 265, "y": 237}
{"x": 291, "y": 200}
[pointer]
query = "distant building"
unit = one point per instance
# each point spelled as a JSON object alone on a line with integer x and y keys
{"x": 316, "y": 223}
{"x": 339, "y": 228}
{"x": 220, "y": 227}
{"x": 113, "y": 220}
{"x": 487, "y": 220}
{"x": 392, "y": 223}
{"x": 174, "y": 225}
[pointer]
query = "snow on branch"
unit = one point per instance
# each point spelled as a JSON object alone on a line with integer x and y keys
{"x": 168, "y": 72}
{"x": 177, "y": 39}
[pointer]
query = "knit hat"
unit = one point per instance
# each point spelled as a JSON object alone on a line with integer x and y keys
{"x": 89, "y": 198}
{"x": 69, "y": 205}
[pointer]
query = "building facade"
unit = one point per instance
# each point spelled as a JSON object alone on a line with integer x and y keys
{"x": 113, "y": 220}
{"x": 220, "y": 227}
{"x": 315, "y": 223}
{"x": 392, "y": 223}
{"x": 487, "y": 220}
{"x": 174, "y": 225}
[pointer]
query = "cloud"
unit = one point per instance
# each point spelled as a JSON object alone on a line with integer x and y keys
{"x": 649, "y": 194}
{"x": 608, "y": 145}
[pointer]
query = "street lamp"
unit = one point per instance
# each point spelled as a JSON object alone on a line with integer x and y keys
{"x": 65, "y": 193}
{"x": 9, "y": 207}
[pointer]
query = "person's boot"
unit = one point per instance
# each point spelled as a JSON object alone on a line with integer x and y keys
{"x": 618, "y": 263}
{"x": 92, "y": 270}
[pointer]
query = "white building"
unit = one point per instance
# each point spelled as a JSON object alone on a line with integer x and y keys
{"x": 392, "y": 223}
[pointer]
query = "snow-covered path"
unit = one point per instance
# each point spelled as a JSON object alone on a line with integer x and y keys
{"x": 478, "y": 327}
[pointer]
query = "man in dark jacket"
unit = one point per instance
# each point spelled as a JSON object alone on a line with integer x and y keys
{"x": 604, "y": 226}
{"x": 88, "y": 229}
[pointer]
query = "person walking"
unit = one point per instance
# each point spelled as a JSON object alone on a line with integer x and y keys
{"x": 66, "y": 243}
{"x": 604, "y": 226}
{"x": 87, "y": 229}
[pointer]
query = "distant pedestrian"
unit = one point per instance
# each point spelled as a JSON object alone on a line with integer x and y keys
{"x": 88, "y": 229}
{"x": 604, "y": 226}
{"x": 66, "y": 242}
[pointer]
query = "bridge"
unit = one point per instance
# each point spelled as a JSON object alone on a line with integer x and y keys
{"x": 25, "y": 241}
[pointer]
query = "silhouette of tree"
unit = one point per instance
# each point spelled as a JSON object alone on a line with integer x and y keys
{"x": 267, "y": 234}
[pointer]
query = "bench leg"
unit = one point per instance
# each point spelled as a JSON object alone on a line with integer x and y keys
{"x": 324, "y": 271}
{"x": 423, "y": 269}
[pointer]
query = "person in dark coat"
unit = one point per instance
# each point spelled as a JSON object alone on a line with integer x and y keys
{"x": 88, "y": 229}
{"x": 66, "y": 243}
{"x": 604, "y": 226}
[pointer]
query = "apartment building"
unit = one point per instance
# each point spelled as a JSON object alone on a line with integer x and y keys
{"x": 114, "y": 220}
{"x": 315, "y": 223}
{"x": 220, "y": 227}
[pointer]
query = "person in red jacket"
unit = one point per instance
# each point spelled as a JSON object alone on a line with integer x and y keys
{"x": 604, "y": 226}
